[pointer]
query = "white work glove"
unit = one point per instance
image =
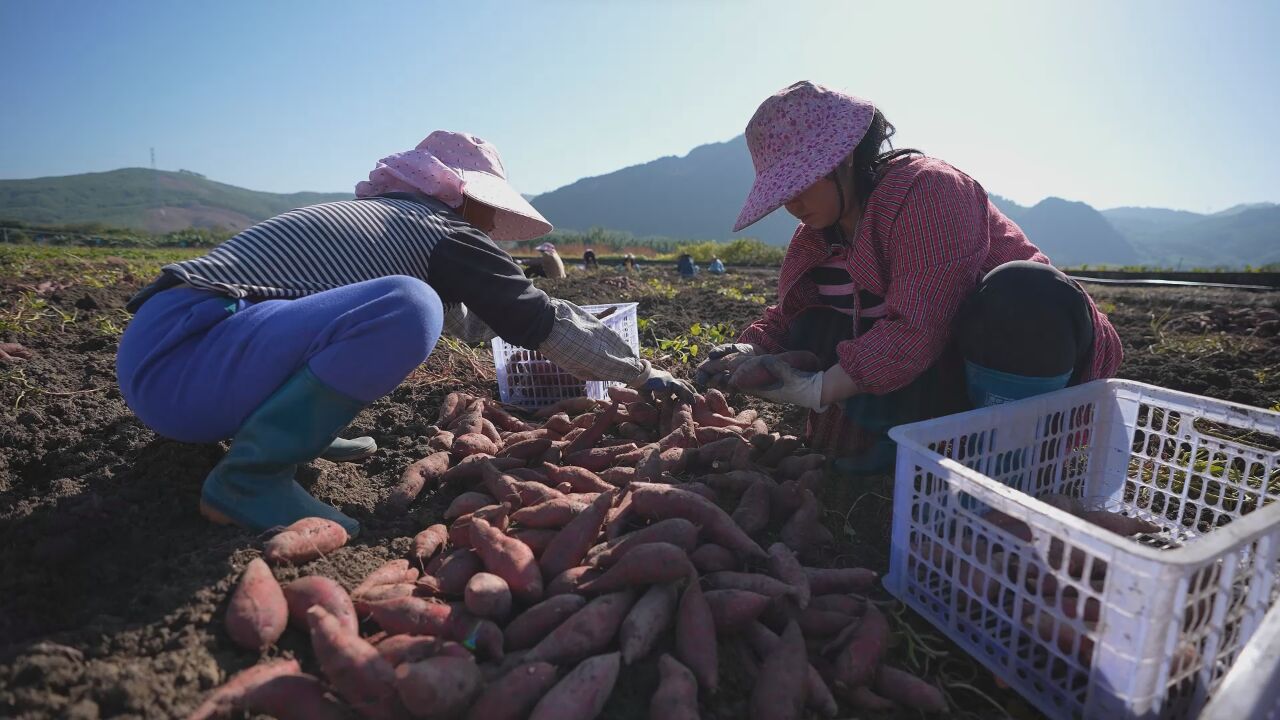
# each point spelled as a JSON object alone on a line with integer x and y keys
{"x": 658, "y": 381}
{"x": 790, "y": 386}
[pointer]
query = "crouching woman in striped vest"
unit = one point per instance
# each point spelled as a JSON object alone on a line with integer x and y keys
{"x": 282, "y": 334}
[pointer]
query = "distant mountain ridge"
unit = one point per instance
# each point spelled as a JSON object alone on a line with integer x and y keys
{"x": 143, "y": 199}
{"x": 695, "y": 196}
{"x": 698, "y": 195}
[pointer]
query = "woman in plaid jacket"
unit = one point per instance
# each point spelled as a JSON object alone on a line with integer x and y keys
{"x": 915, "y": 291}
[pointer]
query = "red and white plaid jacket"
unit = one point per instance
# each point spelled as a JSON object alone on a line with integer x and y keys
{"x": 928, "y": 235}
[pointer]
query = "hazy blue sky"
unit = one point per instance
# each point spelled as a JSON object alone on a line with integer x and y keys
{"x": 1170, "y": 103}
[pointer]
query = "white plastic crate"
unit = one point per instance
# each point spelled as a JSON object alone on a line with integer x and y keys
{"x": 1251, "y": 690}
{"x": 1174, "y": 609}
{"x": 528, "y": 379}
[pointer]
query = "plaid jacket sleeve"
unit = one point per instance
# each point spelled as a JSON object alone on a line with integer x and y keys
{"x": 588, "y": 348}
{"x": 936, "y": 249}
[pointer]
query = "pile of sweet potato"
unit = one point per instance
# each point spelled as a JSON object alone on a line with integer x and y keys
{"x": 576, "y": 544}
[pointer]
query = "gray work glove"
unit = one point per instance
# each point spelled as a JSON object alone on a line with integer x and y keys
{"x": 661, "y": 382}
{"x": 721, "y": 362}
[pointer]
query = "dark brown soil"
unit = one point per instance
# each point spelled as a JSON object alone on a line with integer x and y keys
{"x": 112, "y": 587}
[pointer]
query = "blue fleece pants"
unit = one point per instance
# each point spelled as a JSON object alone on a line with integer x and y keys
{"x": 194, "y": 364}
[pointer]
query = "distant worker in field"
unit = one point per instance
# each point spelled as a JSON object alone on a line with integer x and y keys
{"x": 917, "y": 296}
{"x": 552, "y": 265}
{"x": 279, "y": 336}
{"x": 628, "y": 263}
{"x": 716, "y": 267}
{"x": 685, "y": 266}
{"x": 589, "y": 259}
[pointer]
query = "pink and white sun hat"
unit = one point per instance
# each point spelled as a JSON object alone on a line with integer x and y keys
{"x": 447, "y": 166}
{"x": 798, "y": 136}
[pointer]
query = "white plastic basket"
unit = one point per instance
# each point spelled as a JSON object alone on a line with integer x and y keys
{"x": 1174, "y": 609}
{"x": 1251, "y": 690}
{"x": 526, "y": 378}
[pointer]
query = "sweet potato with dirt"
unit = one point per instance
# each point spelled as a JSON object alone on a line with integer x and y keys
{"x": 909, "y": 691}
{"x": 550, "y": 514}
{"x": 736, "y": 481}
{"x": 828, "y": 581}
{"x": 780, "y": 691}
{"x": 675, "y": 531}
{"x": 701, "y": 489}
{"x": 310, "y": 590}
{"x": 752, "y": 513}
{"x": 573, "y": 541}
{"x": 354, "y": 667}
{"x": 821, "y": 623}
{"x": 645, "y": 564}
{"x": 817, "y": 694}
{"x": 581, "y": 479}
{"x": 519, "y": 437}
{"x": 797, "y": 465}
{"x": 509, "y": 559}
{"x": 659, "y": 502}
{"x": 568, "y": 406}
{"x": 292, "y": 697}
{"x": 472, "y": 468}
{"x": 649, "y": 464}
{"x": 858, "y": 659}
{"x": 470, "y": 422}
{"x": 804, "y": 531}
{"x": 648, "y": 619}
{"x": 473, "y": 444}
{"x": 600, "y": 424}
{"x": 427, "y": 543}
{"x": 696, "y": 636}
{"x": 437, "y": 687}
{"x": 257, "y": 613}
{"x": 733, "y": 609}
{"x": 513, "y": 695}
{"x": 487, "y": 596}
{"x": 712, "y": 558}
{"x": 304, "y": 540}
{"x": 228, "y": 696}
{"x": 531, "y": 626}
{"x": 467, "y": 503}
{"x": 582, "y": 694}
{"x": 570, "y": 580}
{"x": 453, "y": 405}
{"x": 784, "y": 566}
{"x": 624, "y": 395}
{"x": 499, "y": 416}
{"x": 754, "y": 582}
{"x": 587, "y": 631}
{"x": 364, "y": 600}
{"x": 618, "y": 476}
{"x": 421, "y": 474}
{"x": 415, "y": 616}
{"x": 398, "y": 649}
{"x": 707, "y": 435}
{"x": 644, "y": 414}
{"x": 496, "y": 515}
{"x": 441, "y": 442}
{"x": 489, "y": 430}
{"x": 525, "y": 449}
{"x": 677, "y": 695}
{"x": 450, "y": 574}
{"x": 536, "y": 538}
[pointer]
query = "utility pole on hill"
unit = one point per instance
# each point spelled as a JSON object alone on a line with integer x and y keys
{"x": 155, "y": 186}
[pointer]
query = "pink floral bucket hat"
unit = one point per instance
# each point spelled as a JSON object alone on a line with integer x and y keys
{"x": 797, "y": 137}
{"x": 448, "y": 166}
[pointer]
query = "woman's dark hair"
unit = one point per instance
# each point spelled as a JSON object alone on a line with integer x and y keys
{"x": 856, "y": 176}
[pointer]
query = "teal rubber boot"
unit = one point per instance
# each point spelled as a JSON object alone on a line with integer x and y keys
{"x": 254, "y": 483}
{"x": 341, "y": 450}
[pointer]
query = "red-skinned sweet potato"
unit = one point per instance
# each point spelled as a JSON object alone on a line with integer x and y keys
{"x": 304, "y": 540}
{"x": 257, "y": 613}
{"x": 624, "y": 395}
{"x": 705, "y": 491}
{"x": 228, "y": 696}
{"x": 487, "y": 596}
{"x": 526, "y": 449}
{"x": 618, "y": 476}
{"x": 427, "y": 543}
{"x": 677, "y": 695}
{"x": 471, "y": 467}
{"x": 587, "y": 631}
{"x": 712, "y": 558}
{"x": 509, "y": 559}
{"x": 659, "y": 502}
{"x": 797, "y": 465}
{"x": 818, "y": 694}
{"x": 354, "y": 667}
{"x": 569, "y": 406}
{"x": 736, "y": 481}
{"x": 304, "y": 592}
{"x": 649, "y": 618}
{"x": 755, "y": 582}
{"x": 860, "y": 656}
{"x": 752, "y": 513}
{"x": 733, "y": 609}
{"x": 473, "y": 444}
{"x": 292, "y": 697}
{"x": 450, "y": 575}
{"x": 496, "y": 515}
{"x": 437, "y": 687}
{"x": 467, "y": 503}
{"x": 453, "y": 405}
{"x": 908, "y": 690}
{"x": 675, "y": 531}
{"x": 536, "y": 538}
{"x": 415, "y": 616}
{"x": 779, "y": 692}
{"x": 827, "y": 581}
{"x": 531, "y": 626}
{"x": 696, "y": 636}
{"x": 397, "y": 649}
{"x": 804, "y": 531}
{"x": 581, "y": 479}
{"x": 569, "y": 580}
{"x": 600, "y": 424}
{"x": 571, "y": 544}
{"x": 784, "y": 566}
{"x": 512, "y": 696}
{"x": 421, "y": 474}
{"x": 442, "y": 441}
{"x": 582, "y": 694}
{"x": 503, "y": 419}
{"x": 645, "y": 564}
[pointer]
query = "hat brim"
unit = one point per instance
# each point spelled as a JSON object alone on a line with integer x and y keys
{"x": 774, "y": 188}
{"x": 515, "y": 218}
